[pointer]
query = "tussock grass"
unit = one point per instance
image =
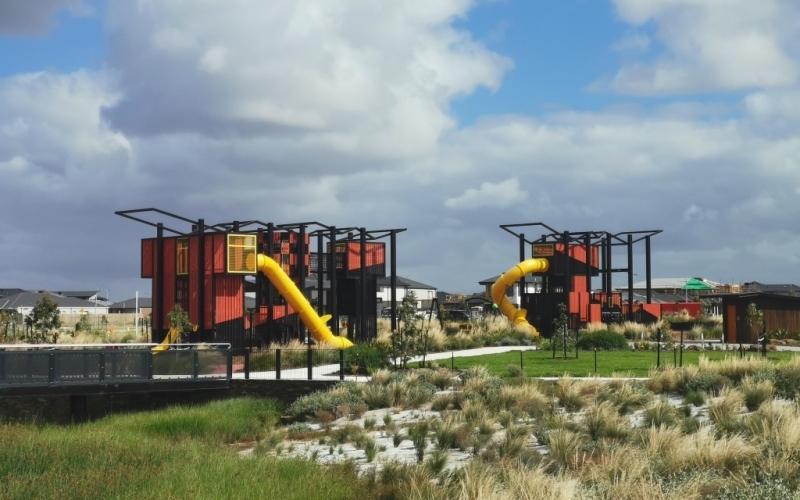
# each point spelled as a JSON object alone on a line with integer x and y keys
{"x": 756, "y": 392}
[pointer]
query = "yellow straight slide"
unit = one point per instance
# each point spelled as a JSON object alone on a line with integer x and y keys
{"x": 316, "y": 326}
{"x": 518, "y": 317}
{"x": 171, "y": 338}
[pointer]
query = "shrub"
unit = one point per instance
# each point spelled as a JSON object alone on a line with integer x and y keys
{"x": 711, "y": 383}
{"x": 364, "y": 359}
{"x": 602, "y": 339}
{"x": 331, "y": 400}
{"x": 515, "y": 371}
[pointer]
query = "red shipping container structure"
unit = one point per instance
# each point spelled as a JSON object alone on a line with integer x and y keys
{"x": 190, "y": 269}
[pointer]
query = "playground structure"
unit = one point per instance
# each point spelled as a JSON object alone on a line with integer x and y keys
{"x": 241, "y": 282}
{"x": 573, "y": 259}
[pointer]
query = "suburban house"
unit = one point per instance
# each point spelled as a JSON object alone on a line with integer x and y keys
{"x": 404, "y": 286}
{"x": 144, "y": 304}
{"x": 23, "y": 303}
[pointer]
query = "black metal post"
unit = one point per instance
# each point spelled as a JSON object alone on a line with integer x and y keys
{"x": 334, "y": 305}
{"x": 520, "y": 362}
{"x": 310, "y": 360}
{"x": 156, "y": 335}
{"x": 302, "y": 271}
{"x": 201, "y": 278}
{"x": 393, "y": 279}
{"x": 277, "y": 364}
{"x": 658, "y": 349}
{"x": 247, "y": 365}
{"x": 270, "y": 289}
{"x": 361, "y": 307}
{"x": 630, "y": 277}
{"x": 341, "y": 364}
{"x": 595, "y": 360}
{"x": 681, "y": 346}
{"x": 648, "y": 270}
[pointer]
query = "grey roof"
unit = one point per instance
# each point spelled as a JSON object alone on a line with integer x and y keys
{"x": 405, "y": 282}
{"x": 144, "y": 302}
{"x": 8, "y": 292}
{"x": 29, "y": 299}
{"x": 82, "y": 294}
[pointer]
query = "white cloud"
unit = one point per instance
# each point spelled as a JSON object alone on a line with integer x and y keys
{"x": 711, "y": 45}
{"x": 502, "y": 194}
{"x": 352, "y": 76}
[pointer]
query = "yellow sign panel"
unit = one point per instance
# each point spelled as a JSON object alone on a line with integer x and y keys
{"x": 182, "y": 257}
{"x": 544, "y": 250}
{"x": 242, "y": 253}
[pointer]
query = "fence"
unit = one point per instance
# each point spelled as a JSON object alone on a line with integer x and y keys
{"x": 294, "y": 364}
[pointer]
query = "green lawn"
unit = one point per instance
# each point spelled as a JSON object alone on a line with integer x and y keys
{"x": 636, "y": 364}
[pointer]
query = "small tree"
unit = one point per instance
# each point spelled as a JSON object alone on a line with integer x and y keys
{"x": 6, "y": 319}
{"x": 84, "y": 324}
{"x": 179, "y": 320}
{"x": 561, "y": 332}
{"x": 755, "y": 319}
{"x": 44, "y": 319}
{"x": 407, "y": 340}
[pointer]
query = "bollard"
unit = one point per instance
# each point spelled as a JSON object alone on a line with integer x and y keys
{"x": 595, "y": 360}
{"x": 520, "y": 362}
{"x": 452, "y": 361}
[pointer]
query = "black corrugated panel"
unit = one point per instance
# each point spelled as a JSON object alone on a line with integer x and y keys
{"x": 230, "y": 332}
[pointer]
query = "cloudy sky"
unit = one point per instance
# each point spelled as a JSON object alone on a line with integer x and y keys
{"x": 448, "y": 118}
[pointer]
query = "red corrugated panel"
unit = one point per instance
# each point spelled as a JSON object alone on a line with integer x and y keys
{"x": 219, "y": 253}
{"x": 194, "y": 279}
{"x": 579, "y": 283}
{"x": 148, "y": 249}
{"x": 229, "y": 300}
{"x": 353, "y": 256}
{"x": 579, "y": 304}
{"x": 169, "y": 277}
{"x": 595, "y": 313}
{"x": 653, "y": 309}
{"x": 376, "y": 254}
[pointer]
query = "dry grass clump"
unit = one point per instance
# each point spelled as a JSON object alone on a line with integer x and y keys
{"x": 705, "y": 450}
{"x": 570, "y": 394}
{"x": 626, "y": 396}
{"x": 724, "y": 411}
{"x": 521, "y": 400}
{"x": 661, "y": 413}
{"x": 602, "y": 421}
{"x": 756, "y": 392}
{"x": 596, "y": 327}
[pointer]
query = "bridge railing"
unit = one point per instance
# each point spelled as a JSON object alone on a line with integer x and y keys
{"x": 53, "y": 366}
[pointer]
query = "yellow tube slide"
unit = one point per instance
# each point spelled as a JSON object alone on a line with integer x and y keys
{"x": 289, "y": 291}
{"x": 171, "y": 338}
{"x": 518, "y": 317}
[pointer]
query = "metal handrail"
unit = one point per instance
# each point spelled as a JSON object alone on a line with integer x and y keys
{"x": 55, "y": 347}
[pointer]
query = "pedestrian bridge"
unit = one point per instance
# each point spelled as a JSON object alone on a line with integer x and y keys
{"x": 82, "y": 369}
